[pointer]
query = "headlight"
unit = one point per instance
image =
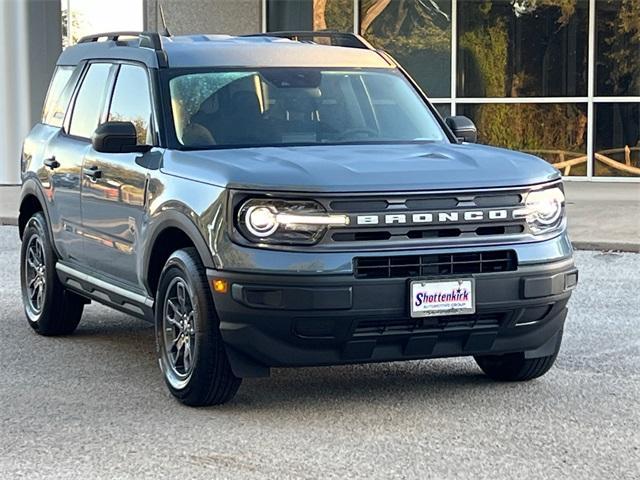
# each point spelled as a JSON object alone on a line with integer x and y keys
{"x": 543, "y": 210}
{"x": 285, "y": 221}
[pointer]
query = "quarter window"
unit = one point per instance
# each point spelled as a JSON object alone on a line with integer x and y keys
{"x": 57, "y": 97}
{"x": 132, "y": 101}
{"x": 89, "y": 102}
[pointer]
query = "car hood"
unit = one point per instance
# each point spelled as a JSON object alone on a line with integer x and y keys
{"x": 360, "y": 168}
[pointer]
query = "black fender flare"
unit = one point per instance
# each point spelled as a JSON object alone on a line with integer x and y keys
{"x": 31, "y": 187}
{"x": 179, "y": 220}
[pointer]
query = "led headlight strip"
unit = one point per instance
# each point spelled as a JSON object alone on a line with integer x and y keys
{"x": 264, "y": 219}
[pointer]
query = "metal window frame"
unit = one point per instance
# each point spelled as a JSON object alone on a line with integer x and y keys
{"x": 590, "y": 99}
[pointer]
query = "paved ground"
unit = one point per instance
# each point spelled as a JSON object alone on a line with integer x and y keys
{"x": 602, "y": 216}
{"x": 93, "y": 405}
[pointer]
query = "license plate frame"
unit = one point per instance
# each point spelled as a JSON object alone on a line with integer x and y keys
{"x": 443, "y": 286}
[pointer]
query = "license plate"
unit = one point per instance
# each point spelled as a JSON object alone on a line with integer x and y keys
{"x": 431, "y": 298}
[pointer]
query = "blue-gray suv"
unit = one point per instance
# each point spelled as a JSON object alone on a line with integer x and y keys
{"x": 285, "y": 199}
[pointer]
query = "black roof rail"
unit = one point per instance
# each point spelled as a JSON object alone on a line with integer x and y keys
{"x": 151, "y": 40}
{"x": 338, "y": 39}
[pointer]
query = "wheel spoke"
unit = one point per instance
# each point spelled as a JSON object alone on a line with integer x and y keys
{"x": 31, "y": 260}
{"x": 190, "y": 326}
{"x": 178, "y": 346}
{"x": 174, "y": 322}
{"x": 182, "y": 296}
{"x": 39, "y": 296}
{"x": 187, "y": 356}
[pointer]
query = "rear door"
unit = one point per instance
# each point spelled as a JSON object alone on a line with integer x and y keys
{"x": 114, "y": 184}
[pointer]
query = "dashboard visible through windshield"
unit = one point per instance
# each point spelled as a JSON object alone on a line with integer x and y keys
{"x": 298, "y": 106}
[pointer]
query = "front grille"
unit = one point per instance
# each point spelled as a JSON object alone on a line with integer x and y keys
{"x": 428, "y": 324}
{"x": 396, "y": 220}
{"x": 403, "y": 266}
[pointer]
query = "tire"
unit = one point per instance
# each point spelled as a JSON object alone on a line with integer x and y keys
{"x": 190, "y": 349}
{"x": 514, "y": 367}
{"x": 50, "y": 309}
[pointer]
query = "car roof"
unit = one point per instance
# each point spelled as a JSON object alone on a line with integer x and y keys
{"x": 192, "y": 51}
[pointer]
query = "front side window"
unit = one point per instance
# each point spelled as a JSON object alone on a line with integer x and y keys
{"x": 293, "y": 106}
{"x": 89, "y": 102}
{"x": 58, "y": 97}
{"x": 131, "y": 101}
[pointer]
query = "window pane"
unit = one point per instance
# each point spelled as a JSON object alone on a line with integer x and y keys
{"x": 618, "y": 47}
{"x": 55, "y": 106}
{"x": 88, "y": 106}
{"x": 132, "y": 102}
{"x": 417, "y": 34}
{"x": 510, "y": 48}
{"x": 310, "y": 15}
{"x": 617, "y": 139}
{"x": 555, "y": 132}
{"x": 291, "y": 106}
{"x": 444, "y": 109}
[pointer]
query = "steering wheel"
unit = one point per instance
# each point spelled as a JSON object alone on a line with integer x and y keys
{"x": 355, "y": 131}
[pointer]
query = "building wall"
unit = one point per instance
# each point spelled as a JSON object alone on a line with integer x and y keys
{"x": 30, "y": 42}
{"x": 205, "y": 16}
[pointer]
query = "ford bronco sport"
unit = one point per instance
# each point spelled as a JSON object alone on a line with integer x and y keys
{"x": 280, "y": 200}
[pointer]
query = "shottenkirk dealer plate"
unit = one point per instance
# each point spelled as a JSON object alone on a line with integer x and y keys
{"x": 430, "y": 298}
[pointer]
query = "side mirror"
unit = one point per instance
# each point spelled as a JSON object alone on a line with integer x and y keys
{"x": 117, "y": 137}
{"x": 463, "y": 128}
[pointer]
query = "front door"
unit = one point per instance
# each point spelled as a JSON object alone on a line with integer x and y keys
{"x": 114, "y": 185}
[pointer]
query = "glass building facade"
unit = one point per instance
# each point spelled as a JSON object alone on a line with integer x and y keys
{"x": 557, "y": 78}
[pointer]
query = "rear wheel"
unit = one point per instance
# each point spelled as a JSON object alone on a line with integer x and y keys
{"x": 190, "y": 349}
{"x": 514, "y": 367}
{"x": 50, "y": 309}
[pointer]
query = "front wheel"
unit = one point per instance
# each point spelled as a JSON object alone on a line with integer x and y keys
{"x": 190, "y": 349}
{"x": 514, "y": 367}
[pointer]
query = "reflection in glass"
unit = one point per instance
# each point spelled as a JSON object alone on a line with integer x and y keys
{"x": 88, "y": 103}
{"x": 617, "y": 139}
{"x": 618, "y": 47}
{"x": 285, "y": 15}
{"x": 521, "y": 48}
{"x": 556, "y": 132}
{"x": 417, "y": 34}
{"x": 131, "y": 101}
{"x": 444, "y": 109}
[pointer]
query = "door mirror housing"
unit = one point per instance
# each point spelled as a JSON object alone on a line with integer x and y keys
{"x": 463, "y": 128}
{"x": 117, "y": 137}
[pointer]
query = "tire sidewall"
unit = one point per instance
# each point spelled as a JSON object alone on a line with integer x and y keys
{"x": 180, "y": 264}
{"x": 37, "y": 226}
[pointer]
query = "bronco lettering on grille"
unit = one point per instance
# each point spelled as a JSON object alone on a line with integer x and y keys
{"x": 435, "y": 217}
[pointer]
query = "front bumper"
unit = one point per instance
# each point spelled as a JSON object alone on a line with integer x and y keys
{"x": 276, "y": 320}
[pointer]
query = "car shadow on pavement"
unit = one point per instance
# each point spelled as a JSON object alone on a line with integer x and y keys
{"x": 380, "y": 382}
{"x": 122, "y": 340}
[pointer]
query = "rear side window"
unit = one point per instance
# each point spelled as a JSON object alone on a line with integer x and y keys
{"x": 131, "y": 101}
{"x": 89, "y": 102}
{"x": 58, "y": 97}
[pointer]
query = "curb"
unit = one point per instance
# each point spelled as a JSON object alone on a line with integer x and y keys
{"x": 607, "y": 246}
{"x": 9, "y": 221}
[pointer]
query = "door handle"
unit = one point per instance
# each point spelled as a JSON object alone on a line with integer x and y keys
{"x": 94, "y": 173}
{"x": 51, "y": 162}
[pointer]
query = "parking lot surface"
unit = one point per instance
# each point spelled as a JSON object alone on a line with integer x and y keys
{"x": 93, "y": 405}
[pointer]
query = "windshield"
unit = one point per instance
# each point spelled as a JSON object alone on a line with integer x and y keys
{"x": 298, "y": 106}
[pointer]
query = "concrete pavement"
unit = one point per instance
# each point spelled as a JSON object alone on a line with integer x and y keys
{"x": 93, "y": 405}
{"x": 602, "y": 216}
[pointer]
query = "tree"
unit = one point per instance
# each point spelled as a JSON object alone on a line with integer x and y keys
{"x": 76, "y": 20}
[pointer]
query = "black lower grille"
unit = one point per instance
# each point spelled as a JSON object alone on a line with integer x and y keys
{"x": 435, "y": 264}
{"x": 428, "y": 324}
